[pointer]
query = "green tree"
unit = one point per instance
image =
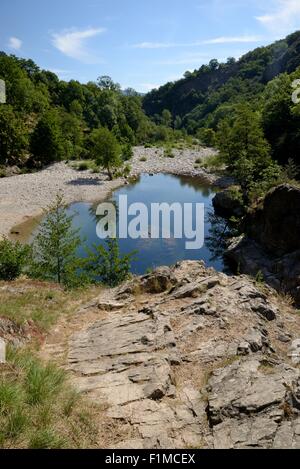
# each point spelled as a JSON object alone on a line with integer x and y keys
{"x": 108, "y": 265}
{"x": 55, "y": 247}
{"x": 13, "y": 136}
{"x": 46, "y": 143}
{"x": 106, "y": 150}
{"x": 166, "y": 118}
{"x": 245, "y": 138}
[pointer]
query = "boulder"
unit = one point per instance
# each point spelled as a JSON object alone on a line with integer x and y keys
{"x": 226, "y": 205}
{"x": 276, "y": 224}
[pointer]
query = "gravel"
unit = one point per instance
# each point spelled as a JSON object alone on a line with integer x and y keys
{"x": 24, "y": 196}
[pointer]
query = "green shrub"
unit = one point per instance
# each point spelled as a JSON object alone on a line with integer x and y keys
{"x": 169, "y": 153}
{"x": 127, "y": 152}
{"x": 13, "y": 259}
{"x": 83, "y": 166}
{"x": 108, "y": 265}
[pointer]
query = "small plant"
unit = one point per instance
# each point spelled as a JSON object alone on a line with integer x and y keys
{"x": 143, "y": 159}
{"x": 83, "y": 166}
{"x": 198, "y": 161}
{"x": 13, "y": 259}
{"x": 108, "y": 265}
{"x": 259, "y": 279}
{"x": 169, "y": 153}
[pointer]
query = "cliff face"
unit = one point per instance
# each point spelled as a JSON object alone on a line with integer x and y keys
{"x": 272, "y": 244}
{"x": 187, "y": 357}
{"x": 276, "y": 225}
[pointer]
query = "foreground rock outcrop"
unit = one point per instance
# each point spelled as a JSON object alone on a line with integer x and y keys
{"x": 187, "y": 357}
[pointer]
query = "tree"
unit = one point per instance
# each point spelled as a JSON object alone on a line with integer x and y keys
{"x": 55, "y": 247}
{"x": 13, "y": 135}
{"x": 108, "y": 265}
{"x": 106, "y": 83}
{"x": 177, "y": 122}
{"x": 46, "y": 143}
{"x": 244, "y": 138}
{"x": 166, "y": 118}
{"x": 106, "y": 150}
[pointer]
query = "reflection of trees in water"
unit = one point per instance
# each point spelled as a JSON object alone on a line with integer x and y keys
{"x": 220, "y": 231}
{"x": 195, "y": 183}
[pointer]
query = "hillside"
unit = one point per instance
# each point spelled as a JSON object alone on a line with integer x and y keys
{"x": 199, "y": 98}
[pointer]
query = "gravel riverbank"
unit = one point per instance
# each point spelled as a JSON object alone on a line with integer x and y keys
{"x": 24, "y": 196}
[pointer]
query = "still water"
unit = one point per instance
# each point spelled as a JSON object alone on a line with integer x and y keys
{"x": 154, "y": 252}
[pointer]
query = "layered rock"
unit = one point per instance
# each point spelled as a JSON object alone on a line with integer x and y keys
{"x": 209, "y": 361}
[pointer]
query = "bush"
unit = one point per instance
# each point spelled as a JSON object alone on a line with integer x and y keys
{"x": 127, "y": 152}
{"x": 169, "y": 153}
{"x": 108, "y": 265}
{"x": 83, "y": 166}
{"x": 13, "y": 259}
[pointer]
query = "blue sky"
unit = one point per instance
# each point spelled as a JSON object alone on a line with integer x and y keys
{"x": 139, "y": 43}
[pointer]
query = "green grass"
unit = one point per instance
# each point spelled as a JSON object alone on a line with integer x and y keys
{"x": 38, "y": 302}
{"x": 39, "y": 409}
{"x": 85, "y": 165}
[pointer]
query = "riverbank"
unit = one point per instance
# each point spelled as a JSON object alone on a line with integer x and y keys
{"x": 23, "y": 197}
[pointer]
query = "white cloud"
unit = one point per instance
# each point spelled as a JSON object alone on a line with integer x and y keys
{"x": 155, "y": 45}
{"x": 14, "y": 43}
{"x": 233, "y": 40}
{"x": 72, "y": 42}
{"x": 218, "y": 40}
{"x": 284, "y": 18}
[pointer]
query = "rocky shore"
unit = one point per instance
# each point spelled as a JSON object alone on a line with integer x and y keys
{"x": 24, "y": 196}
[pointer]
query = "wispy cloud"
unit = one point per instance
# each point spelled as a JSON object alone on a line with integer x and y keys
{"x": 217, "y": 40}
{"x": 155, "y": 45}
{"x": 233, "y": 40}
{"x": 284, "y": 17}
{"x": 15, "y": 43}
{"x": 72, "y": 43}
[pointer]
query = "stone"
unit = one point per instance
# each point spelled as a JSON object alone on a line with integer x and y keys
{"x": 158, "y": 281}
{"x": 226, "y": 205}
{"x": 110, "y": 306}
{"x": 271, "y": 246}
{"x": 276, "y": 224}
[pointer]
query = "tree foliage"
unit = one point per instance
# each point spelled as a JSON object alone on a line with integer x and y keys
{"x": 55, "y": 247}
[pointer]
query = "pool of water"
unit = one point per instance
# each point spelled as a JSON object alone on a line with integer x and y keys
{"x": 152, "y": 253}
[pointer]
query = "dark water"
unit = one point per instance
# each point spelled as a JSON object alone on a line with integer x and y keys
{"x": 154, "y": 252}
